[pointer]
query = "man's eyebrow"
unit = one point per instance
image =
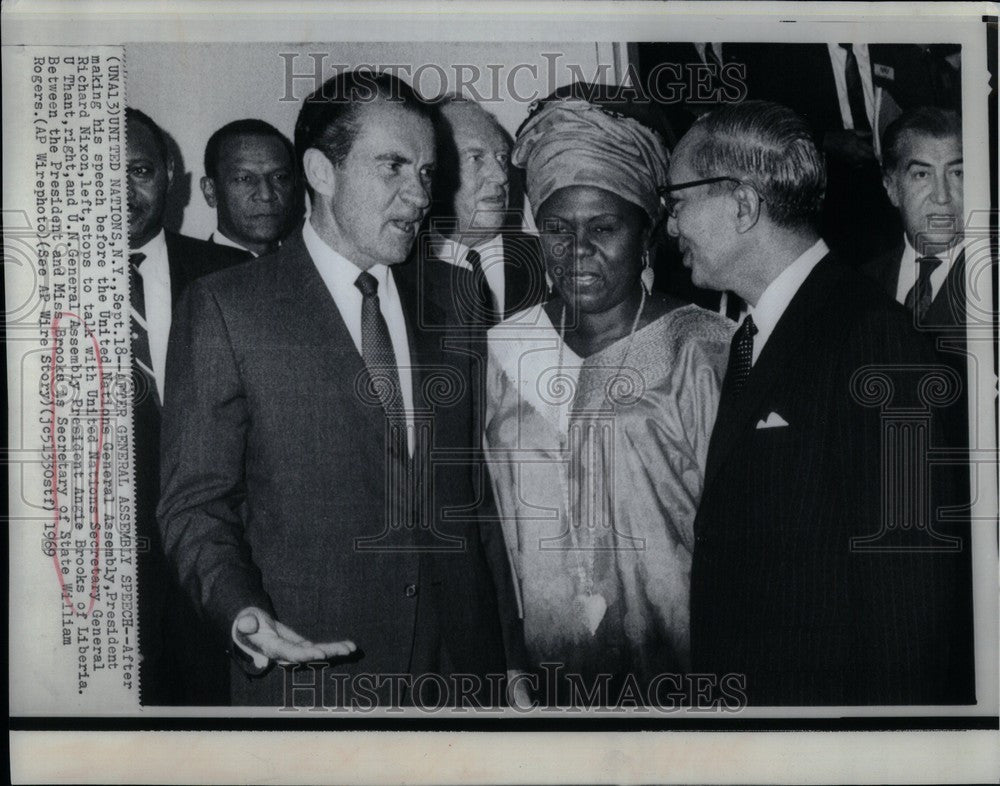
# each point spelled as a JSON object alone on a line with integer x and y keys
{"x": 917, "y": 162}
{"x": 394, "y": 158}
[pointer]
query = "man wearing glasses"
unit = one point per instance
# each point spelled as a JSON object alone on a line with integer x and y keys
{"x": 821, "y": 574}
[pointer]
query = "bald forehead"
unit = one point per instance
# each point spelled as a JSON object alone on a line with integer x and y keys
{"x": 469, "y": 120}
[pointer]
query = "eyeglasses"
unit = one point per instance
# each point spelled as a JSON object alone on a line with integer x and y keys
{"x": 670, "y": 202}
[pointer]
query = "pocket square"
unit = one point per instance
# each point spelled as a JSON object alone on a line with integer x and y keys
{"x": 774, "y": 420}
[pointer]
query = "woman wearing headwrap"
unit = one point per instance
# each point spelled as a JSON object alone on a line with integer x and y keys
{"x": 599, "y": 410}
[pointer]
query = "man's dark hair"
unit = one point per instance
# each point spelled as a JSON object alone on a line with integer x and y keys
{"x": 770, "y": 147}
{"x": 926, "y": 120}
{"x": 329, "y": 116}
{"x": 133, "y": 115}
{"x": 238, "y": 128}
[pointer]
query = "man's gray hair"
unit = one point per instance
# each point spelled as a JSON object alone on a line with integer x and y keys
{"x": 770, "y": 147}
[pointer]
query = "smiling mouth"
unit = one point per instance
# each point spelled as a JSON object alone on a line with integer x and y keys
{"x": 583, "y": 279}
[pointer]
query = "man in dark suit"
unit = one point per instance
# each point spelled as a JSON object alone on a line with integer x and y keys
{"x": 471, "y": 227}
{"x": 319, "y": 501}
{"x": 820, "y": 574}
{"x": 922, "y": 173}
{"x": 179, "y": 663}
{"x": 250, "y": 180}
{"x": 848, "y": 93}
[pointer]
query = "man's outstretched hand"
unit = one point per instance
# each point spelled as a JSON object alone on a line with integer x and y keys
{"x": 262, "y": 636}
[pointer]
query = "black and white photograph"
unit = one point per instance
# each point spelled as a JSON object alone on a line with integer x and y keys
{"x": 618, "y": 376}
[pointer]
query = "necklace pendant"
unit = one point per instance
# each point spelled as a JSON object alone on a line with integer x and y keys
{"x": 594, "y": 607}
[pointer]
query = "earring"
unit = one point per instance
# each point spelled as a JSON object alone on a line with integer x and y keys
{"x": 647, "y": 275}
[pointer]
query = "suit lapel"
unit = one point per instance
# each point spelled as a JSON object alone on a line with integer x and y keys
{"x": 890, "y": 271}
{"x": 738, "y": 412}
{"x": 313, "y": 319}
{"x": 524, "y": 274}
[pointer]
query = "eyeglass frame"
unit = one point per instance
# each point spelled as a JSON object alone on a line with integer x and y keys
{"x": 663, "y": 191}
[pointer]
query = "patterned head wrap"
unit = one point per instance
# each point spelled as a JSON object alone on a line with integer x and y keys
{"x": 571, "y": 142}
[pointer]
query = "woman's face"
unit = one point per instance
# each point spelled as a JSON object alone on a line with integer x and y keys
{"x": 592, "y": 241}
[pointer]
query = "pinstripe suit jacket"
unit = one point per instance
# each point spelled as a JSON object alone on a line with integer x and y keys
{"x": 783, "y": 591}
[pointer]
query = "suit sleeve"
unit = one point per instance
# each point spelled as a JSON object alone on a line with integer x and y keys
{"x": 915, "y": 591}
{"x": 205, "y": 429}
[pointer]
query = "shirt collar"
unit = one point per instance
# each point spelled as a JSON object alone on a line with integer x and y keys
{"x": 220, "y": 239}
{"x": 454, "y": 251}
{"x": 779, "y": 293}
{"x": 341, "y": 271}
{"x": 948, "y": 256}
{"x": 155, "y": 249}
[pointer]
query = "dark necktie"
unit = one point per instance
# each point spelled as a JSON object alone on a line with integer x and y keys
{"x": 855, "y": 91}
{"x": 483, "y": 309}
{"x": 141, "y": 358}
{"x": 741, "y": 353}
{"x": 377, "y": 352}
{"x": 919, "y": 298}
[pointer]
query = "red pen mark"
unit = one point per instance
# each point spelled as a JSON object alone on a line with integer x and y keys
{"x": 95, "y": 527}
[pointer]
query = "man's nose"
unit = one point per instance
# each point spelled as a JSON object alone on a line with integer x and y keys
{"x": 672, "y": 226}
{"x": 265, "y": 191}
{"x": 498, "y": 172}
{"x": 416, "y": 192}
{"x": 942, "y": 191}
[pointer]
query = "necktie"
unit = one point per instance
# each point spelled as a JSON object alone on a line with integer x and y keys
{"x": 855, "y": 91}
{"x": 918, "y": 299}
{"x": 141, "y": 358}
{"x": 377, "y": 352}
{"x": 483, "y": 309}
{"x": 741, "y": 353}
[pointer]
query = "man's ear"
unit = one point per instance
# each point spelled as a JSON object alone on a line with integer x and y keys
{"x": 319, "y": 171}
{"x": 170, "y": 171}
{"x": 748, "y": 205}
{"x": 891, "y": 189}
{"x": 208, "y": 190}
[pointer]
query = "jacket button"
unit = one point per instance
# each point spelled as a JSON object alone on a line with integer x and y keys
{"x": 410, "y": 591}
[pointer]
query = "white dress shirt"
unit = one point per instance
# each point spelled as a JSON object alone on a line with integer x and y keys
{"x": 221, "y": 240}
{"x": 908, "y": 269}
{"x": 490, "y": 255}
{"x": 779, "y": 294}
{"x": 155, "y": 273}
{"x": 339, "y": 275}
{"x": 838, "y": 58}
{"x": 702, "y": 48}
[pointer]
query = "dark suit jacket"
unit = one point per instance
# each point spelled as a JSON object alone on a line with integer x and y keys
{"x": 180, "y": 664}
{"x": 281, "y": 490}
{"x": 944, "y": 323}
{"x": 946, "y": 316}
{"x": 781, "y": 590}
{"x": 524, "y": 278}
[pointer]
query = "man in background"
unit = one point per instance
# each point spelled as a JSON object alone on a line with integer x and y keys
{"x": 250, "y": 180}
{"x": 819, "y": 576}
{"x": 472, "y": 228}
{"x": 180, "y": 662}
{"x": 923, "y": 176}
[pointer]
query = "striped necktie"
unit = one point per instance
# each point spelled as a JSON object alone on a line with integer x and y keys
{"x": 141, "y": 359}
